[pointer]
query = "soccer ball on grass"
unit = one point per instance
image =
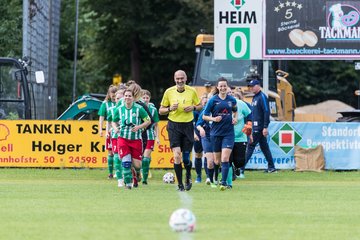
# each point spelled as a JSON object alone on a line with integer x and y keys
{"x": 169, "y": 178}
{"x": 182, "y": 220}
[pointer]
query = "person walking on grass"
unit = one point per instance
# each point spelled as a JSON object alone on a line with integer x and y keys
{"x": 152, "y": 136}
{"x": 221, "y": 109}
{"x": 260, "y": 123}
{"x": 198, "y": 146}
{"x": 129, "y": 121}
{"x": 103, "y": 112}
{"x": 137, "y": 94}
{"x": 204, "y": 131}
{"x": 114, "y": 136}
{"x": 179, "y": 102}
{"x": 237, "y": 157}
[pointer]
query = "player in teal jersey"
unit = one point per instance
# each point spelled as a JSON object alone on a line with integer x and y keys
{"x": 237, "y": 157}
{"x": 129, "y": 121}
{"x": 152, "y": 136}
{"x": 117, "y": 160}
{"x": 103, "y": 113}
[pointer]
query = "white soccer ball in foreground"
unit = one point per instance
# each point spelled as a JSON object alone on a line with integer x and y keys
{"x": 182, "y": 220}
{"x": 169, "y": 178}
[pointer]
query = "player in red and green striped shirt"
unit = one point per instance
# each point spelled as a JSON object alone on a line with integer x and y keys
{"x": 103, "y": 113}
{"x": 114, "y": 136}
{"x": 129, "y": 120}
{"x": 152, "y": 135}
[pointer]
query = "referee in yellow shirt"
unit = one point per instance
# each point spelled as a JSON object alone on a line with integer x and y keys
{"x": 179, "y": 102}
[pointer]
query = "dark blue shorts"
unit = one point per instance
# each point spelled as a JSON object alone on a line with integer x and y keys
{"x": 220, "y": 142}
{"x": 206, "y": 144}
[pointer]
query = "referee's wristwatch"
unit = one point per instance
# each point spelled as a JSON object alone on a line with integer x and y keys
{"x": 169, "y": 109}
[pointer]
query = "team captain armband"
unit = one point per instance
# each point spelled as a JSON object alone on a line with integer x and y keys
{"x": 147, "y": 118}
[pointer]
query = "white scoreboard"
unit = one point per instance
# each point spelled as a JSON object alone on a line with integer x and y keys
{"x": 238, "y": 29}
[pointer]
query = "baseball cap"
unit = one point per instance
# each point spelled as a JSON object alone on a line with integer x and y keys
{"x": 254, "y": 82}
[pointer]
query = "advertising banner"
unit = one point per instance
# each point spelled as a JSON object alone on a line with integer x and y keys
{"x": 308, "y": 29}
{"x": 238, "y": 29}
{"x": 58, "y": 144}
{"x": 162, "y": 157}
{"x": 340, "y": 141}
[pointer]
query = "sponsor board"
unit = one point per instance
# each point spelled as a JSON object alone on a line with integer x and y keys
{"x": 341, "y": 143}
{"x": 62, "y": 144}
{"x": 307, "y": 29}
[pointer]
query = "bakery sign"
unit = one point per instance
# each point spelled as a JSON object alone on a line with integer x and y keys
{"x": 307, "y": 29}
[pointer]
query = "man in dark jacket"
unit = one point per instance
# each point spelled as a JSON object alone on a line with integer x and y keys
{"x": 260, "y": 123}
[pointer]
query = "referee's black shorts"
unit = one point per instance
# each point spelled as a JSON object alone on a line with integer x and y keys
{"x": 181, "y": 135}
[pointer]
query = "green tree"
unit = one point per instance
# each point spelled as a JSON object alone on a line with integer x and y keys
{"x": 317, "y": 81}
{"x": 91, "y": 69}
{"x": 143, "y": 40}
{"x": 11, "y": 28}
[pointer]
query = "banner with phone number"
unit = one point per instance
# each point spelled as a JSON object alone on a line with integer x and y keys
{"x": 58, "y": 144}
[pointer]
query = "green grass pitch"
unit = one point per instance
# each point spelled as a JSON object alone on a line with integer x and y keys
{"x": 82, "y": 204}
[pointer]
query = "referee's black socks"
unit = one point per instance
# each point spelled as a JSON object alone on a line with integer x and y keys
{"x": 188, "y": 169}
{"x": 178, "y": 173}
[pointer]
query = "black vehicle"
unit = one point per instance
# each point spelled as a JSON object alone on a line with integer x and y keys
{"x": 15, "y": 99}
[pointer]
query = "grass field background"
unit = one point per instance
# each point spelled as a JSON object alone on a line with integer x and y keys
{"x": 83, "y": 204}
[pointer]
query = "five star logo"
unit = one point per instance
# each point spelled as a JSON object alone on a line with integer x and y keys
{"x": 288, "y": 5}
{"x": 286, "y": 138}
{"x": 238, "y": 3}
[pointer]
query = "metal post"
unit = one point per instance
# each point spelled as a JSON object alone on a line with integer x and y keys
{"x": 75, "y": 50}
{"x": 50, "y": 78}
{"x": 266, "y": 76}
{"x": 25, "y": 27}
